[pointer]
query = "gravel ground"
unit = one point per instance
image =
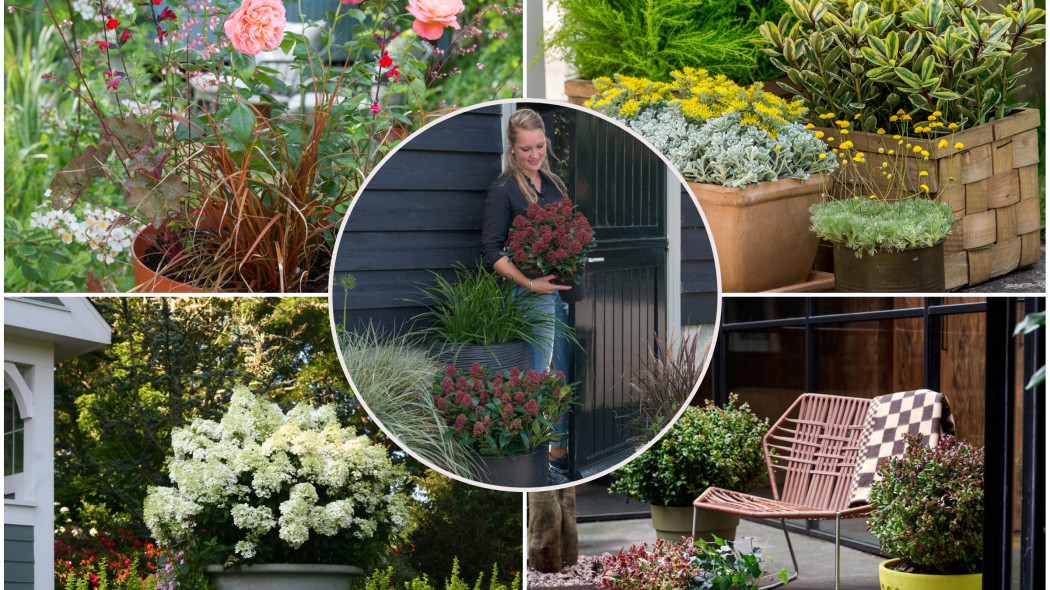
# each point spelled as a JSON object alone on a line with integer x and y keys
{"x": 586, "y": 572}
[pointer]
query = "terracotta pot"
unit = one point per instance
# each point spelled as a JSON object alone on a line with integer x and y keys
{"x": 579, "y": 90}
{"x": 891, "y": 579}
{"x": 523, "y": 471}
{"x": 284, "y": 576}
{"x": 674, "y": 522}
{"x": 912, "y": 270}
{"x": 146, "y": 279}
{"x": 761, "y": 231}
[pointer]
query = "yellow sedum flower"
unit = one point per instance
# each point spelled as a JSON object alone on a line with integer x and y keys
{"x": 844, "y": 131}
{"x": 881, "y": 131}
{"x": 810, "y": 126}
{"x": 936, "y": 114}
{"x": 893, "y": 118}
{"x": 925, "y": 153}
{"x": 942, "y": 144}
{"x": 905, "y": 117}
{"x": 916, "y": 149}
{"x": 952, "y": 126}
{"x": 959, "y": 146}
{"x": 819, "y": 134}
{"x": 923, "y": 173}
{"x": 924, "y": 188}
{"x": 845, "y": 145}
{"x": 822, "y": 156}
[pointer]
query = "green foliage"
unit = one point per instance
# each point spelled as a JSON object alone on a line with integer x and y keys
{"x": 499, "y": 50}
{"x": 172, "y": 360}
{"x": 381, "y": 580}
{"x": 724, "y": 567}
{"x": 478, "y": 307}
{"x": 707, "y": 447}
{"x": 393, "y": 378}
{"x": 652, "y": 38}
{"x": 872, "y": 225}
{"x": 927, "y": 507}
{"x": 853, "y": 57}
{"x": 478, "y": 525}
{"x": 98, "y": 578}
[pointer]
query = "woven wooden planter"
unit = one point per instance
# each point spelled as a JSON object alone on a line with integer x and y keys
{"x": 992, "y": 185}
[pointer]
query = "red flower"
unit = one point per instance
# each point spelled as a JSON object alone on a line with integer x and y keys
{"x": 126, "y": 36}
{"x": 112, "y": 23}
{"x": 386, "y": 61}
{"x": 103, "y": 45}
{"x": 395, "y": 73}
{"x": 168, "y": 14}
{"x": 375, "y": 107}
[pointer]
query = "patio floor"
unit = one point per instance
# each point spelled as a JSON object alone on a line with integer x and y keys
{"x": 816, "y": 557}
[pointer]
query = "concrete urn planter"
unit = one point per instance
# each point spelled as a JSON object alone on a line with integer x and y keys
{"x": 284, "y": 576}
{"x": 761, "y": 231}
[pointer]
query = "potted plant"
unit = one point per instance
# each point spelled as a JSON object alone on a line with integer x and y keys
{"x": 888, "y": 236}
{"x": 241, "y": 198}
{"x": 289, "y": 498}
{"x": 750, "y": 163}
{"x": 552, "y": 239}
{"x": 506, "y": 418}
{"x": 708, "y": 446}
{"x": 479, "y": 317}
{"x": 928, "y": 510}
{"x": 652, "y": 40}
{"x": 722, "y": 566}
{"x": 919, "y": 57}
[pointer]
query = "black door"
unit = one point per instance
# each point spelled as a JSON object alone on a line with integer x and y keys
{"x": 621, "y": 186}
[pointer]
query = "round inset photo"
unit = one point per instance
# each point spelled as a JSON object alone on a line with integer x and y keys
{"x": 525, "y": 294}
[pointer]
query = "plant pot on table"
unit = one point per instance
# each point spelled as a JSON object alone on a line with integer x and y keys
{"x": 912, "y": 270}
{"x": 284, "y": 576}
{"x": 674, "y": 522}
{"x": 761, "y": 231}
{"x": 523, "y": 471}
{"x": 891, "y": 578}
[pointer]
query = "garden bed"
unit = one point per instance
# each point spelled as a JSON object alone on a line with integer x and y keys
{"x": 585, "y": 574}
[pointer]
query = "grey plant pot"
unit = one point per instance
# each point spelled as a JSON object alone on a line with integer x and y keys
{"x": 523, "y": 471}
{"x": 494, "y": 357}
{"x": 284, "y": 576}
{"x": 674, "y": 522}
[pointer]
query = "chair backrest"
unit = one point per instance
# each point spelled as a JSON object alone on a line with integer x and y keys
{"x": 815, "y": 446}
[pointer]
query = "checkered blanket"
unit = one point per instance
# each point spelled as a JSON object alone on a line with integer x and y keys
{"x": 889, "y": 418}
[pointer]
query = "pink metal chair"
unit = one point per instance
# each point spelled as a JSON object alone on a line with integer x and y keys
{"x": 814, "y": 445}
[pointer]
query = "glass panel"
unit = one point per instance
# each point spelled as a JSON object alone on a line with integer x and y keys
{"x": 767, "y": 368}
{"x": 18, "y": 450}
{"x": 755, "y": 309}
{"x": 867, "y": 359}
{"x": 839, "y": 305}
{"x": 13, "y": 436}
{"x": 9, "y": 457}
{"x": 963, "y": 345}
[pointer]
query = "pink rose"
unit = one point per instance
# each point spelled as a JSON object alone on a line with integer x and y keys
{"x": 256, "y": 25}
{"x": 432, "y": 16}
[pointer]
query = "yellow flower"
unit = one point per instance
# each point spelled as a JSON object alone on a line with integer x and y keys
{"x": 882, "y": 151}
{"x": 810, "y": 126}
{"x": 936, "y": 114}
{"x": 842, "y": 123}
{"x": 932, "y": 117}
{"x": 893, "y": 118}
{"x": 881, "y": 131}
{"x": 844, "y": 131}
{"x": 943, "y": 144}
{"x": 916, "y": 149}
{"x": 859, "y": 157}
{"x": 923, "y": 173}
{"x": 822, "y": 156}
{"x": 896, "y": 137}
{"x": 856, "y": 198}
{"x": 845, "y": 145}
{"x": 857, "y": 116}
{"x": 924, "y": 188}
{"x": 926, "y": 153}
{"x": 819, "y": 134}
{"x": 959, "y": 146}
{"x": 952, "y": 126}
{"x": 905, "y": 117}
{"x": 827, "y": 115}
{"x": 871, "y": 196}
{"x": 884, "y": 164}
{"x": 890, "y": 152}
{"x": 900, "y": 111}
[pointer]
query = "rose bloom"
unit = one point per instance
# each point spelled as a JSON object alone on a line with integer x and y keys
{"x": 432, "y": 16}
{"x": 256, "y": 25}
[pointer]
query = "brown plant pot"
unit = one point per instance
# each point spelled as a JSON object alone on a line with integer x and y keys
{"x": 761, "y": 231}
{"x": 992, "y": 184}
{"x": 147, "y": 280}
{"x": 674, "y": 522}
{"x": 912, "y": 270}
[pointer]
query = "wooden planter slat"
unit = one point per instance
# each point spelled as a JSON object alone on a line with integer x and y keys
{"x": 985, "y": 183}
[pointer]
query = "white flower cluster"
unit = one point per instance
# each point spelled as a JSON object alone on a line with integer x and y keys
{"x": 98, "y": 229}
{"x": 723, "y": 151}
{"x": 300, "y": 472}
{"x": 89, "y": 9}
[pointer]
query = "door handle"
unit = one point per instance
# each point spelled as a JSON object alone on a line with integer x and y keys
{"x": 592, "y": 260}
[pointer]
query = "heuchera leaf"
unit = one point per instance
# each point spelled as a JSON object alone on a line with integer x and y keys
{"x": 127, "y": 133}
{"x": 155, "y": 198}
{"x": 67, "y": 185}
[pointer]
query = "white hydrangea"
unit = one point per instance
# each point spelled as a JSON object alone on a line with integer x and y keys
{"x": 98, "y": 228}
{"x": 93, "y": 9}
{"x": 723, "y": 151}
{"x": 269, "y": 470}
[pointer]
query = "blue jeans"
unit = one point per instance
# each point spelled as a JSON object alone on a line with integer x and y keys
{"x": 552, "y": 350}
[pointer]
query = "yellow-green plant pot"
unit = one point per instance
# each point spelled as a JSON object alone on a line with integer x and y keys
{"x": 891, "y": 579}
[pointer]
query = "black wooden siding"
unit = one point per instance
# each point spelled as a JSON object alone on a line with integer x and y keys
{"x": 699, "y": 285}
{"x": 18, "y": 557}
{"x": 420, "y": 212}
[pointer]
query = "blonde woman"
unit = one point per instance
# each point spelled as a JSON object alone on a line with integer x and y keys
{"x": 529, "y": 179}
